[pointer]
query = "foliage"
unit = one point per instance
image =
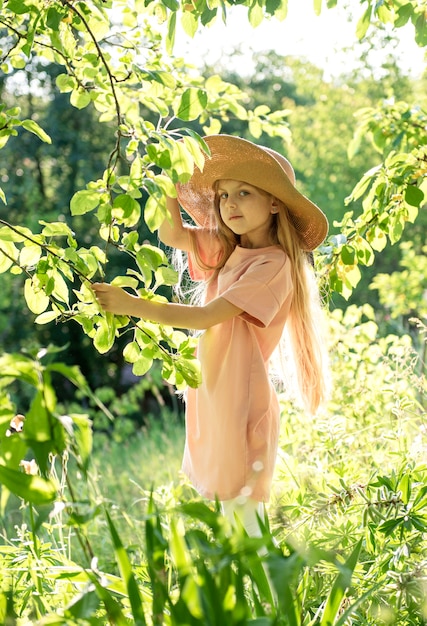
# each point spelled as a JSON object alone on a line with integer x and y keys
{"x": 398, "y": 14}
{"x": 79, "y": 39}
{"x": 46, "y": 431}
{"x": 345, "y": 474}
{"x": 348, "y": 518}
{"x": 123, "y": 73}
{"x": 350, "y": 512}
{"x": 393, "y": 193}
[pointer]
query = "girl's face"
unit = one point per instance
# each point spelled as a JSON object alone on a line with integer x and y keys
{"x": 247, "y": 211}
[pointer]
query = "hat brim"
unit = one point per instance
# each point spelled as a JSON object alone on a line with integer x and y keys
{"x": 234, "y": 158}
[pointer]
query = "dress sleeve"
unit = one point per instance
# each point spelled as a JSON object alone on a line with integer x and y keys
{"x": 209, "y": 250}
{"x": 262, "y": 290}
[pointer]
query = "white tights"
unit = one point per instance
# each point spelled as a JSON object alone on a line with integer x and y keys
{"x": 247, "y": 511}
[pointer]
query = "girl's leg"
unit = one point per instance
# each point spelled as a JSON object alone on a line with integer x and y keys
{"x": 248, "y": 511}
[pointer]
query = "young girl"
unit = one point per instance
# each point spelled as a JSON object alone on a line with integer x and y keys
{"x": 250, "y": 245}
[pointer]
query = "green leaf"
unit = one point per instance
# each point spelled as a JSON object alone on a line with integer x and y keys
{"x": 278, "y": 8}
{"x": 36, "y": 299}
{"x": 190, "y": 371}
{"x": 84, "y": 201}
{"x": 75, "y": 376}
{"x": 83, "y": 436}
{"x": 17, "y": 62}
{"x": 317, "y": 5}
{"x": 60, "y": 288}
{"x": 142, "y": 365}
{"x": 112, "y": 607}
{"x": 352, "y": 276}
{"x": 170, "y": 37}
{"x": 30, "y": 255}
{"x": 56, "y": 229}
{"x": 8, "y": 252}
{"x": 80, "y": 98}
{"x": 34, "y": 128}
{"x": 390, "y": 526}
{"x": 420, "y": 500}
{"x": 404, "y": 14}
{"x": 284, "y": 572}
{"x": 173, "y": 5}
{"x": 396, "y": 227}
{"x": 191, "y": 104}
{"x": 83, "y": 606}
{"x": 166, "y": 276}
{"x": 385, "y": 15}
{"x": 34, "y": 489}
{"x": 377, "y": 238}
{"x": 190, "y": 595}
{"x": 339, "y": 588}
{"x": 347, "y": 255}
{"x": 365, "y": 254}
{"x": 405, "y": 487}
{"x": 189, "y": 23}
{"x": 255, "y": 128}
{"x": 131, "y": 352}
{"x": 28, "y": 45}
{"x": 364, "y": 22}
{"x": 127, "y": 575}
{"x": 71, "y": 372}
{"x": 54, "y": 17}
{"x": 65, "y": 83}
{"x": 151, "y": 255}
{"x": 16, "y": 366}
{"x": 4, "y": 137}
{"x": 421, "y": 30}
{"x": 39, "y": 423}
{"x": 126, "y": 209}
{"x": 18, "y": 6}
{"x": 179, "y": 552}
{"x": 195, "y": 147}
{"x": 156, "y": 546}
{"x": 414, "y": 195}
{"x": 347, "y": 614}
{"x": 105, "y": 334}
{"x": 255, "y": 14}
{"x": 183, "y": 158}
{"x": 18, "y": 234}
{"x": 47, "y": 317}
{"x": 153, "y": 213}
{"x": 363, "y": 184}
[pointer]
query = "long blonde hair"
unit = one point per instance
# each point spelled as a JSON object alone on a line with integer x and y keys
{"x": 304, "y": 325}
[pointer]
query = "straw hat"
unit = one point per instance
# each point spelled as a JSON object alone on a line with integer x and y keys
{"x": 238, "y": 159}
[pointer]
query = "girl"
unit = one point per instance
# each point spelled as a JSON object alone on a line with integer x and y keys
{"x": 250, "y": 243}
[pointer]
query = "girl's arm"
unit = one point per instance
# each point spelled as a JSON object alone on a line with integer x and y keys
{"x": 117, "y": 300}
{"x": 175, "y": 234}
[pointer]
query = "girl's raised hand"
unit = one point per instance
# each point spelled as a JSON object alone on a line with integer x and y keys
{"x": 114, "y": 299}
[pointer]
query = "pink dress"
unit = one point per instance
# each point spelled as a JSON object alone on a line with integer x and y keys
{"x": 232, "y": 419}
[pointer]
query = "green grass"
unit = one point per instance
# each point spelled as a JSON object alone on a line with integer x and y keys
{"x": 147, "y": 460}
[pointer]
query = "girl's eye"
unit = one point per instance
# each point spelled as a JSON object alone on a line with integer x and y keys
{"x": 223, "y": 196}
{"x": 243, "y": 192}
